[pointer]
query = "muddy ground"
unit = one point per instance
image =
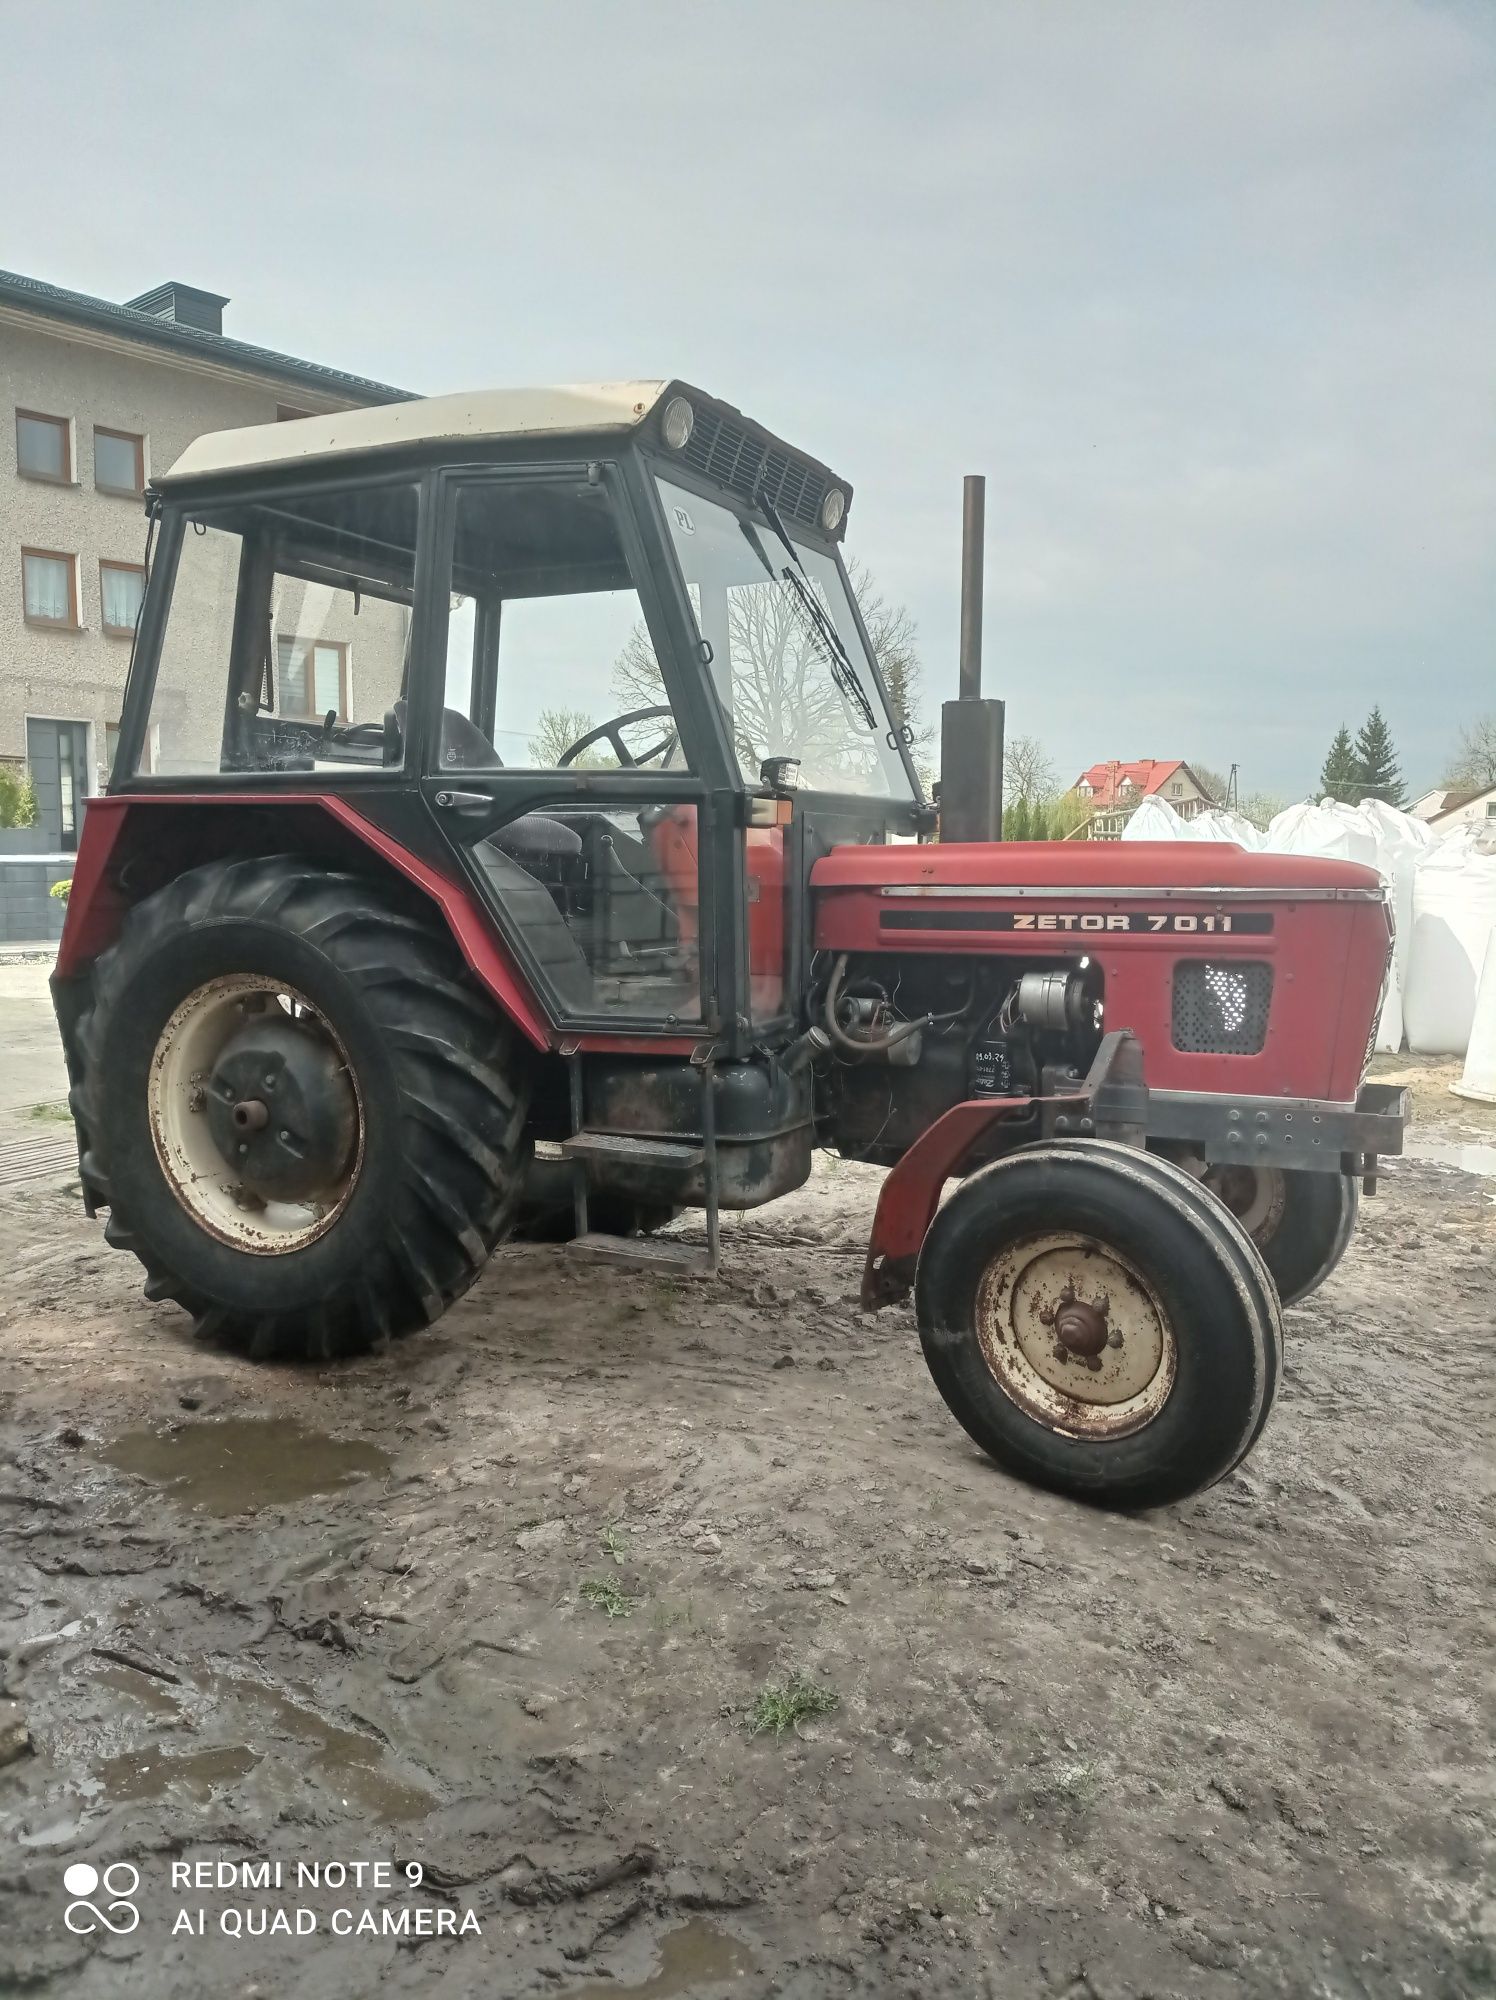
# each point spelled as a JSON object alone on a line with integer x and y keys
{"x": 499, "y": 1609}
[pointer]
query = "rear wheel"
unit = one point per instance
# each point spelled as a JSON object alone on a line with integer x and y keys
{"x": 1098, "y": 1324}
{"x": 305, "y": 1118}
{"x": 1301, "y": 1220}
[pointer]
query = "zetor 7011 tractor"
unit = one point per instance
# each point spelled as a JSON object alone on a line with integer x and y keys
{"x": 510, "y": 833}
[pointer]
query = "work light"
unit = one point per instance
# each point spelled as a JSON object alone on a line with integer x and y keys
{"x": 678, "y": 423}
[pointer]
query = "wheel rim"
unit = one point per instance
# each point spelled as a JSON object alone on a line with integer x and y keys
{"x": 1256, "y": 1196}
{"x": 1076, "y": 1336}
{"x": 255, "y": 1114}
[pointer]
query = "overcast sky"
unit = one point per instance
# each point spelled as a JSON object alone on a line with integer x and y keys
{"x": 1207, "y": 291}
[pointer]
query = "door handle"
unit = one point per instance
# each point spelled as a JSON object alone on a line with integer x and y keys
{"x": 456, "y": 801}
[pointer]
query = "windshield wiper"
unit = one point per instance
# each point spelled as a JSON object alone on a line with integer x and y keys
{"x": 843, "y": 672}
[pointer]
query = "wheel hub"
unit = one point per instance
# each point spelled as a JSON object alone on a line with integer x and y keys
{"x": 255, "y": 1114}
{"x": 281, "y": 1109}
{"x": 1079, "y": 1328}
{"x": 1075, "y": 1335}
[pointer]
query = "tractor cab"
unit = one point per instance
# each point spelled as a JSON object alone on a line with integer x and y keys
{"x": 598, "y": 646}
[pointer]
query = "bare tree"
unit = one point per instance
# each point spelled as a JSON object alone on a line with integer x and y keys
{"x": 555, "y": 732}
{"x": 1028, "y": 769}
{"x": 1473, "y": 766}
{"x": 1213, "y": 783}
{"x": 785, "y": 701}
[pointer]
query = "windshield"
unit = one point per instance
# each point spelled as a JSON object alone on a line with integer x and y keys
{"x": 788, "y": 661}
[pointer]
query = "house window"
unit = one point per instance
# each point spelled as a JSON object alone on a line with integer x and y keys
{"x": 120, "y": 588}
{"x": 49, "y": 588}
{"x": 119, "y": 462}
{"x": 1491, "y": 808}
{"x": 44, "y": 447}
{"x": 313, "y": 677}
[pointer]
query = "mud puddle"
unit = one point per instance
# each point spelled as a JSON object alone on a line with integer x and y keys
{"x": 236, "y": 1465}
{"x": 693, "y": 1959}
{"x": 289, "y": 1738}
{"x": 150, "y": 1774}
{"x": 1470, "y": 1159}
{"x": 345, "y": 1759}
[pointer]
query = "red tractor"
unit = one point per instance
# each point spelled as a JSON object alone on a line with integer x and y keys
{"x": 382, "y": 950}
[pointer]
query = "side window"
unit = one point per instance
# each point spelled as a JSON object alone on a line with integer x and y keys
{"x": 549, "y": 660}
{"x": 287, "y": 635}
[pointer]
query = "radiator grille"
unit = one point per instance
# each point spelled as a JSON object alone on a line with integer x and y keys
{"x": 746, "y": 465}
{"x": 1221, "y": 1009}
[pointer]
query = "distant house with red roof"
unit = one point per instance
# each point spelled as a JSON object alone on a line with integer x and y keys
{"x": 1113, "y": 790}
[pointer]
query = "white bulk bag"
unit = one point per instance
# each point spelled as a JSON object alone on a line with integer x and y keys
{"x": 1336, "y": 832}
{"x": 1454, "y": 909}
{"x": 1401, "y": 842}
{"x": 1156, "y": 819}
{"x": 1219, "y": 823}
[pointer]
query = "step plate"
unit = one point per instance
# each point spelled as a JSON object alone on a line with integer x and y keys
{"x": 643, "y": 1253}
{"x": 622, "y": 1149}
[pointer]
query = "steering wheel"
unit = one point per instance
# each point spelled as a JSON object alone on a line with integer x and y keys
{"x": 613, "y": 731}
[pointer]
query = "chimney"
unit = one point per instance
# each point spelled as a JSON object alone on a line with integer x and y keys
{"x": 184, "y": 304}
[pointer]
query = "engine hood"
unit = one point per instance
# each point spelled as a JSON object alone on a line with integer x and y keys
{"x": 1101, "y": 868}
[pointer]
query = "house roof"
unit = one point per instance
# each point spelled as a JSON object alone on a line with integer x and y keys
{"x": 1147, "y": 774}
{"x": 170, "y": 336}
{"x": 1461, "y": 796}
{"x": 484, "y": 413}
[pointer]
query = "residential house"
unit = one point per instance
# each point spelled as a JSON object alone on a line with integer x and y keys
{"x": 93, "y": 396}
{"x": 1450, "y": 806}
{"x": 1113, "y": 790}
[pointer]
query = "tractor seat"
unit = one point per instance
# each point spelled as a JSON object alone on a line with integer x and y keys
{"x": 537, "y": 837}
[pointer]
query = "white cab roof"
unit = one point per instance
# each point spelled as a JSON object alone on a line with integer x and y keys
{"x": 485, "y": 413}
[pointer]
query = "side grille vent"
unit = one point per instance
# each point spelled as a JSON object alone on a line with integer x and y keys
{"x": 1221, "y": 1009}
{"x": 724, "y": 451}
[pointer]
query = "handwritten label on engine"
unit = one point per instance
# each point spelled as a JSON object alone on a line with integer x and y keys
{"x": 1176, "y": 923}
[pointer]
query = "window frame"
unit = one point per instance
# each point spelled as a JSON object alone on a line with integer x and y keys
{"x": 63, "y": 424}
{"x": 131, "y": 569}
{"x": 178, "y": 512}
{"x": 72, "y": 622}
{"x": 135, "y": 438}
{"x": 311, "y": 713}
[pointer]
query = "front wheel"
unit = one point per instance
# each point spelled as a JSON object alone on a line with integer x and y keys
{"x": 306, "y": 1120}
{"x": 1099, "y": 1324}
{"x": 1301, "y": 1219}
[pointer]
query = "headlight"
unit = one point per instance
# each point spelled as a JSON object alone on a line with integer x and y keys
{"x": 678, "y": 423}
{"x": 833, "y": 507}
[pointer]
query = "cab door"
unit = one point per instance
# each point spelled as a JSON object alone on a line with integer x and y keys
{"x": 560, "y": 762}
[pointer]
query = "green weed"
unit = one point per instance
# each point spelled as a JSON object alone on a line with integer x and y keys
{"x": 785, "y": 1707}
{"x": 608, "y": 1598}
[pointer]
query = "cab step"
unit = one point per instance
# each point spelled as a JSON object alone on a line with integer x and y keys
{"x": 624, "y": 1149}
{"x": 643, "y": 1253}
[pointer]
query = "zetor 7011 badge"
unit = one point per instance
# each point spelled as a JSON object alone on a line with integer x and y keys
{"x": 360, "y": 981}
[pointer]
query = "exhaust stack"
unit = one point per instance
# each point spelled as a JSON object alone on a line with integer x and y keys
{"x": 971, "y": 729}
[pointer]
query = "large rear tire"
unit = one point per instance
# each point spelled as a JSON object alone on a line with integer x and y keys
{"x": 1301, "y": 1219}
{"x": 305, "y": 1118}
{"x": 1099, "y": 1324}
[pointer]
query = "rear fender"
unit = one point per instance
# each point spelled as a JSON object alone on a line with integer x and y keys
{"x": 133, "y": 845}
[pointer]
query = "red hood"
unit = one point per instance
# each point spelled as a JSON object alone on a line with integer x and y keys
{"x": 1087, "y": 864}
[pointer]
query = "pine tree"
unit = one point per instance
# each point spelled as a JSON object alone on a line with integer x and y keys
{"x": 1342, "y": 777}
{"x": 1016, "y": 820}
{"x": 1380, "y": 776}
